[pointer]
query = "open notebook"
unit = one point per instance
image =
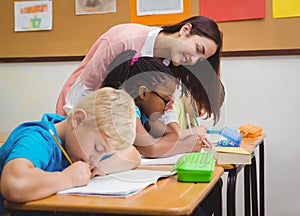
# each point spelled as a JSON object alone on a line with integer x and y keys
{"x": 161, "y": 161}
{"x": 121, "y": 184}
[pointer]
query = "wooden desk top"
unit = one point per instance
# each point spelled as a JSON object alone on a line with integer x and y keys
{"x": 250, "y": 144}
{"x": 167, "y": 197}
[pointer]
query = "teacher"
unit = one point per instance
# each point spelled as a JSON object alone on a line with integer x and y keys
{"x": 184, "y": 43}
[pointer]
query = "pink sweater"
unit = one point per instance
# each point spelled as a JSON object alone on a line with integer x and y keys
{"x": 92, "y": 70}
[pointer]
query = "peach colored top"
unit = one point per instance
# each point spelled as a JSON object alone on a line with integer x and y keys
{"x": 92, "y": 70}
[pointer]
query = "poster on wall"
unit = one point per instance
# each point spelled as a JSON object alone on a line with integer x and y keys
{"x": 159, "y": 12}
{"x": 33, "y": 15}
{"x": 286, "y": 8}
{"x": 151, "y": 7}
{"x": 95, "y": 6}
{"x": 229, "y": 10}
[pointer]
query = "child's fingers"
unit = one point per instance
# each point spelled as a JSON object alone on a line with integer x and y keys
{"x": 97, "y": 172}
{"x": 206, "y": 142}
{"x": 200, "y": 130}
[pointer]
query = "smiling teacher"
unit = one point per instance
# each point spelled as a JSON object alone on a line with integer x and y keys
{"x": 184, "y": 43}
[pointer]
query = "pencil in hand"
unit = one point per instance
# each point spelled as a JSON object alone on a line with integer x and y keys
{"x": 206, "y": 142}
{"x": 189, "y": 123}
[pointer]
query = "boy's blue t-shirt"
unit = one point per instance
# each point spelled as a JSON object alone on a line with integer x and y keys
{"x": 33, "y": 141}
{"x": 140, "y": 116}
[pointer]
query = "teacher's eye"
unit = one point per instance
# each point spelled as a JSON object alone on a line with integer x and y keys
{"x": 200, "y": 49}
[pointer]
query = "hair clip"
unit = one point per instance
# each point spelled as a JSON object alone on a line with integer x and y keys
{"x": 135, "y": 58}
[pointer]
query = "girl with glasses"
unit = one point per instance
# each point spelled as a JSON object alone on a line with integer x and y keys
{"x": 152, "y": 86}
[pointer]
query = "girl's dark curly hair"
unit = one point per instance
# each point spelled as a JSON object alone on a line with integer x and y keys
{"x": 147, "y": 71}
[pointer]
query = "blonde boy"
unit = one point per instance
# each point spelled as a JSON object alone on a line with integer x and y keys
{"x": 96, "y": 139}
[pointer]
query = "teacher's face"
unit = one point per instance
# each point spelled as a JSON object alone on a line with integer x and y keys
{"x": 189, "y": 49}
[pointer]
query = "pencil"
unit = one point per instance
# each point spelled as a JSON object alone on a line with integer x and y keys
{"x": 195, "y": 117}
{"x": 206, "y": 142}
{"x": 60, "y": 146}
{"x": 189, "y": 123}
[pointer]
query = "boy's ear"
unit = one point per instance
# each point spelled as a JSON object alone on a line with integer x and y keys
{"x": 185, "y": 29}
{"x": 78, "y": 117}
{"x": 142, "y": 91}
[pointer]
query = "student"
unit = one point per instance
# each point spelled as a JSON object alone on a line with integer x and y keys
{"x": 94, "y": 142}
{"x": 182, "y": 107}
{"x": 185, "y": 105}
{"x": 152, "y": 86}
{"x": 183, "y": 43}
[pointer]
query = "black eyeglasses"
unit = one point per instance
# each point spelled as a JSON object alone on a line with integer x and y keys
{"x": 164, "y": 100}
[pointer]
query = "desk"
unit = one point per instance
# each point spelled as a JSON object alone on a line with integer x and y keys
{"x": 167, "y": 197}
{"x": 250, "y": 179}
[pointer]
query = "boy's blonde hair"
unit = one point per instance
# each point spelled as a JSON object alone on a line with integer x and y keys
{"x": 113, "y": 112}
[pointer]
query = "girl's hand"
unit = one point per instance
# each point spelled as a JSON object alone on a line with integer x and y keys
{"x": 200, "y": 130}
{"x": 79, "y": 173}
{"x": 199, "y": 144}
{"x": 193, "y": 143}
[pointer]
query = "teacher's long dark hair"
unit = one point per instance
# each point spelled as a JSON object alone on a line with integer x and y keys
{"x": 202, "y": 79}
{"x": 204, "y": 85}
{"x": 202, "y": 26}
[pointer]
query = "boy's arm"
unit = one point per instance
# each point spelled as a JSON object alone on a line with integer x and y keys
{"x": 22, "y": 182}
{"x": 167, "y": 145}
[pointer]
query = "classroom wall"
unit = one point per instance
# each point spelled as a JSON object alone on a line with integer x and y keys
{"x": 259, "y": 90}
{"x": 263, "y": 91}
{"x": 81, "y": 31}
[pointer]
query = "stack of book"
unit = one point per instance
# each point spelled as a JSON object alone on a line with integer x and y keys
{"x": 232, "y": 155}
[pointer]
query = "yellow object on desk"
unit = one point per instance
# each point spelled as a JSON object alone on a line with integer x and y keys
{"x": 232, "y": 155}
{"x": 60, "y": 146}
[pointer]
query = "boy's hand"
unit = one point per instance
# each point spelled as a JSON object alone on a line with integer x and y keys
{"x": 97, "y": 172}
{"x": 79, "y": 173}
